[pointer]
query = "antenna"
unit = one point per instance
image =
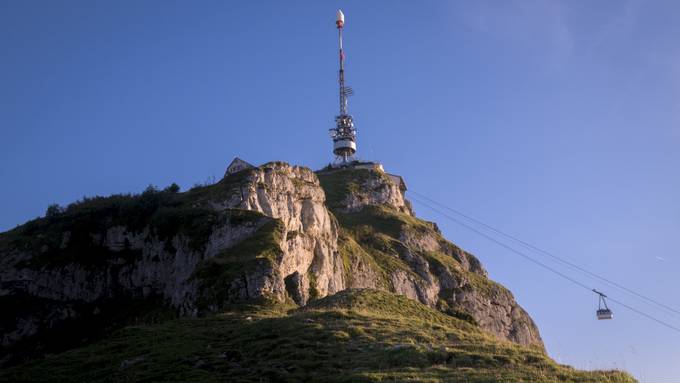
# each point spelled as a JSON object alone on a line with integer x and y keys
{"x": 344, "y": 134}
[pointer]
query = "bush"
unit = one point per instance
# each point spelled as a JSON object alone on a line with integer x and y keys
{"x": 174, "y": 188}
{"x": 150, "y": 190}
{"x": 53, "y": 210}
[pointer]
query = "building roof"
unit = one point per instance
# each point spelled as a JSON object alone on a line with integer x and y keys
{"x": 236, "y": 166}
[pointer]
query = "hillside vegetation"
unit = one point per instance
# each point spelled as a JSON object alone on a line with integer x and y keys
{"x": 353, "y": 336}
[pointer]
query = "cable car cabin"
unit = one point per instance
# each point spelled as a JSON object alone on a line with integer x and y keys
{"x": 605, "y": 314}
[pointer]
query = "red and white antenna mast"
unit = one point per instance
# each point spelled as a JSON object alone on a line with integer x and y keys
{"x": 344, "y": 134}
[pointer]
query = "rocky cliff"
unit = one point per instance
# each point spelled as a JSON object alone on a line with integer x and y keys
{"x": 275, "y": 232}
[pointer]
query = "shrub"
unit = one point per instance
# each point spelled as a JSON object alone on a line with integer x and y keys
{"x": 174, "y": 188}
{"x": 150, "y": 190}
{"x": 53, "y": 210}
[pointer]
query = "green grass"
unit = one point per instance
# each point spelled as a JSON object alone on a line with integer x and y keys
{"x": 337, "y": 184}
{"x": 381, "y": 219}
{"x": 375, "y": 231}
{"x": 353, "y": 336}
{"x": 353, "y": 253}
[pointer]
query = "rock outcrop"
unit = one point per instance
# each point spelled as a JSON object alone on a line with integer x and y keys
{"x": 276, "y": 231}
{"x": 414, "y": 259}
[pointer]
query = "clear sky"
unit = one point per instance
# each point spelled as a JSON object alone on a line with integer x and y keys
{"x": 558, "y": 122}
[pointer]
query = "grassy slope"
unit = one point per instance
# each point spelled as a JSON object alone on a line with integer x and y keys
{"x": 357, "y": 335}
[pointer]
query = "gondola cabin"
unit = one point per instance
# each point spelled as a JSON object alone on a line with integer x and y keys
{"x": 605, "y": 314}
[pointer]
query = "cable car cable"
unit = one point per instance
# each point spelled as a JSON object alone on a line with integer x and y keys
{"x": 543, "y": 265}
{"x": 537, "y": 249}
{"x": 568, "y": 278}
{"x": 659, "y": 321}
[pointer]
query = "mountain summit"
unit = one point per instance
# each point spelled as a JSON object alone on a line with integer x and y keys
{"x": 281, "y": 273}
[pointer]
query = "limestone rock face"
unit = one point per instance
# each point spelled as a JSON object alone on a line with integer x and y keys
{"x": 293, "y": 195}
{"x": 276, "y": 231}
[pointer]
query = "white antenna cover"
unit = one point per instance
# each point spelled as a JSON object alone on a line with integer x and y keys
{"x": 341, "y": 16}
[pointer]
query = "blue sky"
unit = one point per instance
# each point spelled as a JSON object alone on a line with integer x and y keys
{"x": 554, "y": 121}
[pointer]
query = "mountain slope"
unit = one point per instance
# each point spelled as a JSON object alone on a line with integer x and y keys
{"x": 353, "y": 336}
{"x": 276, "y": 233}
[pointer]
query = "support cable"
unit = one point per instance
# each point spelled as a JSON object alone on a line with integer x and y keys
{"x": 545, "y": 252}
{"x": 541, "y": 264}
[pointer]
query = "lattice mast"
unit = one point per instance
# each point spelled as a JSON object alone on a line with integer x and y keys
{"x": 344, "y": 134}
